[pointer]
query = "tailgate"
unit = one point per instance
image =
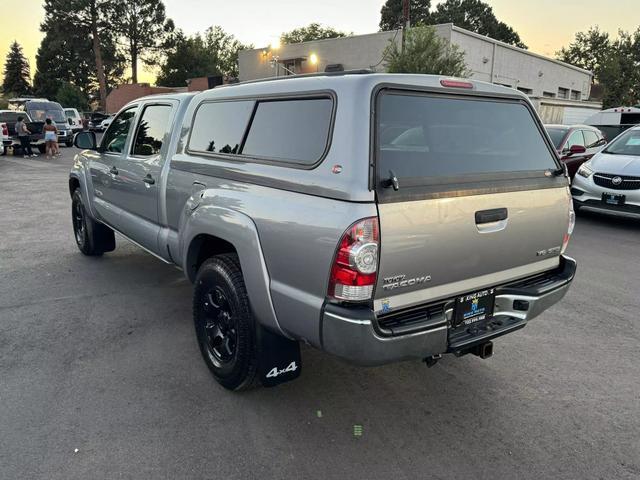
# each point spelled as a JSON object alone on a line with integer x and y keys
{"x": 434, "y": 249}
{"x": 469, "y": 195}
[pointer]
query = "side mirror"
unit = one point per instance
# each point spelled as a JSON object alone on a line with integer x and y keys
{"x": 85, "y": 141}
{"x": 69, "y": 121}
{"x": 577, "y": 149}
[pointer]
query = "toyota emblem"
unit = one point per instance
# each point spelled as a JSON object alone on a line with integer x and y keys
{"x": 616, "y": 180}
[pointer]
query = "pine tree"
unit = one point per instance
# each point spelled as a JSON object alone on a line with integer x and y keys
{"x": 17, "y": 77}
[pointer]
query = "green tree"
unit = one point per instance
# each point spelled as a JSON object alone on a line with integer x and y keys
{"x": 391, "y": 13}
{"x": 214, "y": 53}
{"x": 476, "y": 16}
{"x": 17, "y": 77}
{"x": 97, "y": 18}
{"x": 614, "y": 62}
{"x": 66, "y": 55}
{"x": 590, "y": 50}
{"x": 70, "y": 96}
{"x": 313, "y": 31}
{"x": 144, "y": 26}
{"x": 425, "y": 52}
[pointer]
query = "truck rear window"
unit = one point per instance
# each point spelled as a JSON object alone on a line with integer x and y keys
{"x": 437, "y": 136}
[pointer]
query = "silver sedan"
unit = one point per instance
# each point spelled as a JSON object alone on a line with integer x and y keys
{"x": 610, "y": 181}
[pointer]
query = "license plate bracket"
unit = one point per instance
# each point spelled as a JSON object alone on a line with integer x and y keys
{"x": 613, "y": 198}
{"x": 474, "y": 307}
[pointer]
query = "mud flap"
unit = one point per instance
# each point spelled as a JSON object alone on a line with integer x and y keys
{"x": 278, "y": 358}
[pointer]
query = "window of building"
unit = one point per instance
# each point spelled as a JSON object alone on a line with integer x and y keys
{"x": 563, "y": 92}
{"x": 575, "y": 95}
{"x": 151, "y": 130}
{"x": 296, "y": 131}
{"x": 526, "y": 91}
{"x": 218, "y": 127}
{"x": 548, "y": 94}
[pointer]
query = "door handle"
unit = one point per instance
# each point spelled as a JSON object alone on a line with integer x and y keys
{"x": 149, "y": 180}
{"x": 490, "y": 216}
{"x": 113, "y": 171}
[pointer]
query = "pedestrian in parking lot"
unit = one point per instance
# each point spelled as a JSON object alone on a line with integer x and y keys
{"x": 23, "y": 135}
{"x": 50, "y": 138}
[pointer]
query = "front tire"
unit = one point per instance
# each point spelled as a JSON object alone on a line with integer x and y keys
{"x": 225, "y": 327}
{"x": 92, "y": 238}
{"x": 42, "y": 148}
{"x": 69, "y": 143}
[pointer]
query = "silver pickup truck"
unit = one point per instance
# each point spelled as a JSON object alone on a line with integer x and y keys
{"x": 377, "y": 217}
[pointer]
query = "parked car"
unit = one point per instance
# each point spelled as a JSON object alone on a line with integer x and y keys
{"x": 610, "y": 181}
{"x": 575, "y": 144}
{"x": 377, "y": 217}
{"x": 39, "y": 111}
{"x": 105, "y": 123}
{"x": 95, "y": 119}
{"x": 10, "y": 118}
{"x": 74, "y": 119}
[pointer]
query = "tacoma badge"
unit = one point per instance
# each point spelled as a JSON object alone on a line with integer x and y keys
{"x": 401, "y": 281}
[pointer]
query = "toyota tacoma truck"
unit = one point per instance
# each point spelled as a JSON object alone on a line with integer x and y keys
{"x": 377, "y": 217}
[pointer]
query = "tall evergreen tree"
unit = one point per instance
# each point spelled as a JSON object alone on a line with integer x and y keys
{"x": 66, "y": 55}
{"x": 17, "y": 78}
{"x": 391, "y": 13}
{"x": 144, "y": 26}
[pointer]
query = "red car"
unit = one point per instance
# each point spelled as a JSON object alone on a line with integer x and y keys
{"x": 576, "y": 144}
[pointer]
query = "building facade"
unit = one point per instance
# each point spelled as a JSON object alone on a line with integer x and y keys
{"x": 488, "y": 60}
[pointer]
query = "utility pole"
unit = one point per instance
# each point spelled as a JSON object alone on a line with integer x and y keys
{"x": 406, "y": 20}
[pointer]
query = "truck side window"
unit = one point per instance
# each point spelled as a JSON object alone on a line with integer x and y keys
{"x": 116, "y": 135}
{"x": 151, "y": 130}
{"x": 218, "y": 127}
{"x": 295, "y": 131}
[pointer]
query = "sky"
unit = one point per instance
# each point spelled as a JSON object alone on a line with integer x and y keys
{"x": 544, "y": 25}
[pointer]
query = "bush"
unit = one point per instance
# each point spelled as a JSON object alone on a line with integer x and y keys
{"x": 425, "y": 52}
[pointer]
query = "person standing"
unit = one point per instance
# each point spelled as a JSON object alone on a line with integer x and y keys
{"x": 50, "y": 138}
{"x": 23, "y": 135}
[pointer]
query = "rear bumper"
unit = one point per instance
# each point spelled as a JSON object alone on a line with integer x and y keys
{"x": 355, "y": 335}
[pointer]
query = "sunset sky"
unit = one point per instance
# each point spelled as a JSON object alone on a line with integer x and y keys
{"x": 544, "y": 25}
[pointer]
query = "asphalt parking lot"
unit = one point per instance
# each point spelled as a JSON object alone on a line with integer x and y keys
{"x": 99, "y": 355}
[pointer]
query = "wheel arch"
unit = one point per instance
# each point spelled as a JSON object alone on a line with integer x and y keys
{"x": 212, "y": 230}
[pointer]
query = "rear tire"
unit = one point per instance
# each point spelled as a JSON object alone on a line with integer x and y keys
{"x": 225, "y": 327}
{"x": 93, "y": 238}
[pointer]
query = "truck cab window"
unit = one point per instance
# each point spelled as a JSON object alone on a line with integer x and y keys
{"x": 151, "y": 130}
{"x": 116, "y": 135}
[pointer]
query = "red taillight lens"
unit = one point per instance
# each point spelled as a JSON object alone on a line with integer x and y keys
{"x": 5, "y": 130}
{"x": 354, "y": 269}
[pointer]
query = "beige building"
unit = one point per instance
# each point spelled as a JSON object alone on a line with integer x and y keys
{"x": 489, "y": 60}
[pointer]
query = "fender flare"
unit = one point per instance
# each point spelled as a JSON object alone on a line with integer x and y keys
{"x": 79, "y": 173}
{"x": 240, "y": 231}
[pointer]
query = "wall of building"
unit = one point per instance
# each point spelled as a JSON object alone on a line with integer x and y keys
{"x": 536, "y": 75}
{"x": 488, "y": 60}
{"x": 128, "y": 92}
{"x": 356, "y": 52}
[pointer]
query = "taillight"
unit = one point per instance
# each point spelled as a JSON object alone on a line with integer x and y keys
{"x": 570, "y": 227}
{"x": 355, "y": 266}
{"x": 5, "y": 130}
